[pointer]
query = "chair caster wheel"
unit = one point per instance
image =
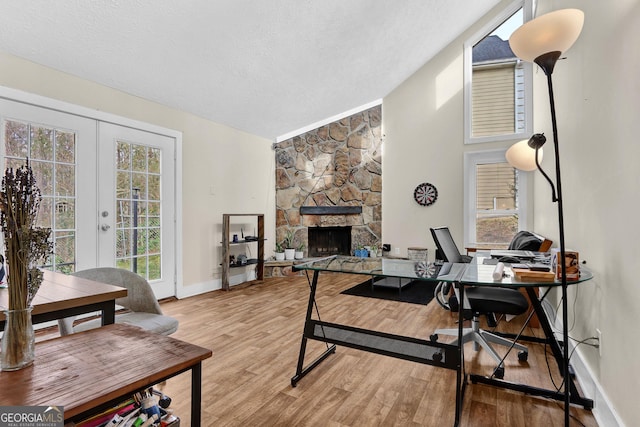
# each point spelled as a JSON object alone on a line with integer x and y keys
{"x": 434, "y": 337}
{"x": 523, "y": 356}
{"x": 499, "y": 372}
{"x": 437, "y": 357}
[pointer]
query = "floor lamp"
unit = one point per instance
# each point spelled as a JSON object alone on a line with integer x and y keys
{"x": 542, "y": 41}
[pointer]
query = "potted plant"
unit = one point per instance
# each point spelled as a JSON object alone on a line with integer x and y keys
{"x": 289, "y": 250}
{"x": 300, "y": 251}
{"x": 373, "y": 251}
{"x": 279, "y": 252}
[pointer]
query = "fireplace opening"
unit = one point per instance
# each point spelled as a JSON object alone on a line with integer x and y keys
{"x": 325, "y": 241}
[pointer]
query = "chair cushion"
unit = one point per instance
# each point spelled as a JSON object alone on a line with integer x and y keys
{"x": 158, "y": 323}
{"x": 496, "y": 300}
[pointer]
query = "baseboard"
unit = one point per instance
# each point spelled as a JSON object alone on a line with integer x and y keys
{"x": 198, "y": 288}
{"x": 603, "y": 411}
{"x": 213, "y": 285}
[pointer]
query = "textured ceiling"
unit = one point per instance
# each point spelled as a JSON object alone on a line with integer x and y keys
{"x": 267, "y": 67}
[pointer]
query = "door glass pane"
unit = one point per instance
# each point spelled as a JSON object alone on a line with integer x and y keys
{"x": 16, "y": 139}
{"x": 496, "y": 203}
{"x": 41, "y": 144}
{"x": 52, "y": 157}
{"x": 138, "y": 208}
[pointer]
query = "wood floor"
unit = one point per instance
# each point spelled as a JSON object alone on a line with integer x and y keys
{"x": 255, "y": 331}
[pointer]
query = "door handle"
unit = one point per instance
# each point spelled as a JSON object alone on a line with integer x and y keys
{"x": 105, "y": 227}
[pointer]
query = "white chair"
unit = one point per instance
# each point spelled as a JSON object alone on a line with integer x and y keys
{"x": 141, "y": 303}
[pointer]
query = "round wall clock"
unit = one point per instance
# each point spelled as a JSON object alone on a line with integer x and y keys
{"x": 425, "y": 194}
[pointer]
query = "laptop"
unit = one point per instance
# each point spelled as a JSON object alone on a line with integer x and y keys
{"x": 499, "y": 253}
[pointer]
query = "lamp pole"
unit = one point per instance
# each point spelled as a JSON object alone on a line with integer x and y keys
{"x": 547, "y": 62}
{"x": 542, "y": 40}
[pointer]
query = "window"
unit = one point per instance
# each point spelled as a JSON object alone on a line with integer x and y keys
{"x": 138, "y": 209}
{"x": 495, "y": 199}
{"x": 51, "y": 154}
{"x": 497, "y": 109}
{"x": 497, "y": 84}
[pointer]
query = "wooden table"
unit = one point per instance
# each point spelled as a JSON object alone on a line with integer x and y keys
{"x": 61, "y": 295}
{"x": 93, "y": 370}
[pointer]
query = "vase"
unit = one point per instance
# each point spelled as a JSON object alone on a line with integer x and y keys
{"x": 279, "y": 256}
{"x": 289, "y": 254}
{"x": 18, "y": 340}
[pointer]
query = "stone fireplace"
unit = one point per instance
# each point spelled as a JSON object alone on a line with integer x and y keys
{"x": 331, "y": 177}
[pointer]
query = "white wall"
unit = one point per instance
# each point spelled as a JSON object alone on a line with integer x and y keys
{"x": 424, "y": 142}
{"x": 597, "y": 93}
{"x": 224, "y": 170}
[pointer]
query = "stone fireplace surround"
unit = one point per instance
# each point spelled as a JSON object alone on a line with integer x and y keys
{"x": 332, "y": 177}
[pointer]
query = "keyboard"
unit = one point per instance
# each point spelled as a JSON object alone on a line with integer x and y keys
{"x": 499, "y": 253}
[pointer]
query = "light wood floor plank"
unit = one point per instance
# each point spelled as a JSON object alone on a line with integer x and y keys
{"x": 255, "y": 331}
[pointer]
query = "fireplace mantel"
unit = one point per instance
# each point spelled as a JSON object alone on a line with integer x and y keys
{"x": 330, "y": 210}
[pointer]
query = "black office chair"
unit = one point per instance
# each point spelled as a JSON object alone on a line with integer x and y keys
{"x": 482, "y": 301}
{"x": 528, "y": 241}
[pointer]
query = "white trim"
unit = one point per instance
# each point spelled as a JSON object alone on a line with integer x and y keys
{"x": 216, "y": 284}
{"x": 527, "y": 8}
{"x": 335, "y": 118}
{"x": 78, "y": 110}
{"x": 101, "y": 116}
{"x": 179, "y": 284}
{"x": 603, "y": 411}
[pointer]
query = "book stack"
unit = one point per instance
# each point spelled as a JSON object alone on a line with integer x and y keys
{"x": 144, "y": 409}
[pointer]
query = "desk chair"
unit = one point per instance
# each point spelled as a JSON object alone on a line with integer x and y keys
{"x": 144, "y": 310}
{"x": 481, "y": 301}
{"x": 528, "y": 241}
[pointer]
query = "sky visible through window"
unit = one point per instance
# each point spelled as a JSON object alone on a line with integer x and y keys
{"x": 505, "y": 30}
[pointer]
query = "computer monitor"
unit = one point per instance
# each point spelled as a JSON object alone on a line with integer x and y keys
{"x": 446, "y": 245}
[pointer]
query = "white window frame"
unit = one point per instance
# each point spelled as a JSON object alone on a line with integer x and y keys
{"x": 527, "y": 7}
{"x": 471, "y": 160}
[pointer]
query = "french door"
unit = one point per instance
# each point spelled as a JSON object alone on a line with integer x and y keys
{"x": 62, "y": 154}
{"x": 137, "y": 207}
{"x": 107, "y": 190}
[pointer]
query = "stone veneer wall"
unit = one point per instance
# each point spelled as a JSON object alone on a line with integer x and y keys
{"x": 339, "y": 164}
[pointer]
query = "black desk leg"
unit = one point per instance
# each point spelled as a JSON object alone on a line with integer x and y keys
{"x": 196, "y": 395}
{"x": 108, "y": 312}
{"x": 558, "y": 354}
{"x": 460, "y": 374}
{"x": 300, "y": 370}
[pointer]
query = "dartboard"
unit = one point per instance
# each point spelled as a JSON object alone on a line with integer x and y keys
{"x": 424, "y": 269}
{"x": 425, "y": 194}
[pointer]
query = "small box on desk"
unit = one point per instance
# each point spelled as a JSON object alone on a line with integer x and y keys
{"x": 572, "y": 264}
{"x": 527, "y": 275}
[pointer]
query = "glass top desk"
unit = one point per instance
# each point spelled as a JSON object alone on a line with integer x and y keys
{"x": 478, "y": 273}
{"x": 447, "y": 356}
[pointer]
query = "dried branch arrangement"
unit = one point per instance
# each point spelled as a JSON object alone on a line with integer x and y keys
{"x": 26, "y": 246}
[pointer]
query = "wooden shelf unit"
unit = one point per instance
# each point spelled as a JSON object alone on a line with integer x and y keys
{"x": 226, "y": 247}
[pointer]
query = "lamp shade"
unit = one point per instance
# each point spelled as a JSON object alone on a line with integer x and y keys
{"x": 521, "y": 156}
{"x": 551, "y": 32}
